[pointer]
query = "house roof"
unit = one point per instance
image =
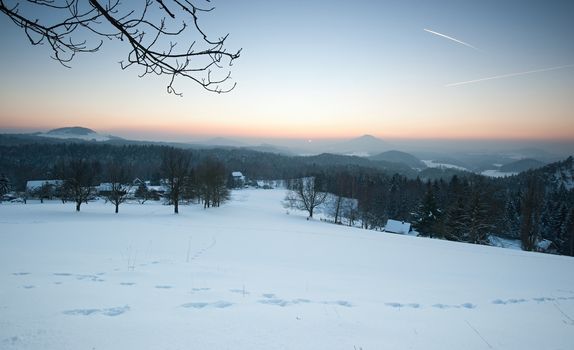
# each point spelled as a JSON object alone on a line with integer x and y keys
{"x": 236, "y": 174}
{"x": 395, "y": 226}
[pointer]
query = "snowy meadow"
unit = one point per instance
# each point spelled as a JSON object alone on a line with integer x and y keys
{"x": 250, "y": 275}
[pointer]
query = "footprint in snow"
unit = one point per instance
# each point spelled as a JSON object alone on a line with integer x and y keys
{"x": 468, "y": 306}
{"x": 447, "y": 306}
{"x": 202, "y": 305}
{"x": 508, "y": 301}
{"x": 127, "y": 283}
{"x": 115, "y": 311}
{"x": 399, "y": 305}
{"x": 163, "y": 287}
{"x": 282, "y": 302}
{"x": 273, "y": 301}
{"x": 239, "y": 291}
{"x": 348, "y": 304}
{"x": 82, "y": 312}
{"x": 20, "y": 273}
{"x": 200, "y": 289}
{"x": 543, "y": 299}
{"x": 28, "y": 286}
{"x": 13, "y": 340}
{"x": 112, "y": 312}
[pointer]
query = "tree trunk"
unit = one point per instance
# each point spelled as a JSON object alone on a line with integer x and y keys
{"x": 176, "y": 207}
{"x": 311, "y": 212}
{"x": 117, "y": 205}
{"x": 78, "y": 204}
{"x": 337, "y": 209}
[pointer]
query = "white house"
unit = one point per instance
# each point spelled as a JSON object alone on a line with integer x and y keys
{"x": 33, "y": 185}
{"x": 238, "y": 179}
{"x": 395, "y": 226}
{"x": 237, "y": 175}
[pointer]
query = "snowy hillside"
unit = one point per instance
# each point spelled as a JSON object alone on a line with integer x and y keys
{"x": 250, "y": 276}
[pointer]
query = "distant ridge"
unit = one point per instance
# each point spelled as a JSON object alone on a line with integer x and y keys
{"x": 400, "y": 157}
{"x": 364, "y": 146}
{"x": 521, "y": 165}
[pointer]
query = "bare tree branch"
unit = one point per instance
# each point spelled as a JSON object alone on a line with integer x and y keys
{"x": 157, "y": 34}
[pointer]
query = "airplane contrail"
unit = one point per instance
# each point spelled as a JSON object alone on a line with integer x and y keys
{"x": 450, "y": 38}
{"x": 510, "y": 75}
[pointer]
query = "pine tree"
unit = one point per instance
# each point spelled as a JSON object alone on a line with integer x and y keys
{"x": 531, "y": 213}
{"x": 4, "y": 185}
{"x": 478, "y": 226}
{"x": 428, "y": 214}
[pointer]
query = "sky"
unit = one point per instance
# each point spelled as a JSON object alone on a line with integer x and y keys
{"x": 453, "y": 70}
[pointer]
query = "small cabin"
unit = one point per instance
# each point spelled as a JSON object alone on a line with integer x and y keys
{"x": 238, "y": 179}
{"x": 395, "y": 226}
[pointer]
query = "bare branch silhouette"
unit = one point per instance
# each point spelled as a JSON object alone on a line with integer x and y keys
{"x": 157, "y": 33}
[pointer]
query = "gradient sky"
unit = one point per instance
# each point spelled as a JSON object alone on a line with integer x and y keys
{"x": 318, "y": 69}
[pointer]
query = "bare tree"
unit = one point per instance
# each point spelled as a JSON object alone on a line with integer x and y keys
{"x": 159, "y": 34}
{"x": 305, "y": 194}
{"x": 176, "y": 166}
{"x": 45, "y": 191}
{"x": 211, "y": 181}
{"x": 78, "y": 181}
{"x": 119, "y": 177}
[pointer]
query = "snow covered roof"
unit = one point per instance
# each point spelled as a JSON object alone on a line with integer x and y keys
{"x": 106, "y": 186}
{"x": 35, "y": 184}
{"x": 395, "y": 226}
{"x": 543, "y": 244}
{"x": 237, "y": 174}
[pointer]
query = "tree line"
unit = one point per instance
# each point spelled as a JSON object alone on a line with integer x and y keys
{"x": 532, "y": 206}
{"x": 180, "y": 180}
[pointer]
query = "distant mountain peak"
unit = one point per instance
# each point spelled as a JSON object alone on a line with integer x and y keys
{"x": 72, "y": 130}
{"x": 76, "y": 132}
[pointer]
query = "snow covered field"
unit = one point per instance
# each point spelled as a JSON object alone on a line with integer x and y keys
{"x": 249, "y": 276}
